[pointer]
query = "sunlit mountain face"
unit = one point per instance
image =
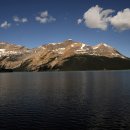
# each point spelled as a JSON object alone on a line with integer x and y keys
{"x": 67, "y": 55}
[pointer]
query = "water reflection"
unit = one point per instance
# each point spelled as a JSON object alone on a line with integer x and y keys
{"x": 65, "y": 100}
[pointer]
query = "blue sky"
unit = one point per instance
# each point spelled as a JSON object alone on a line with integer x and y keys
{"x": 35, "y": 22}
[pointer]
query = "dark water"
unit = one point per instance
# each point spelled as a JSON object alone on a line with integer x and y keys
{"x": 65, "y": 100}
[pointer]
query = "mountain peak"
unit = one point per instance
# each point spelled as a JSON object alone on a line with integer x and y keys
{"x": 67, "y": 47}
{"x": 100, "y": 45}
{"x": 104, "y": 44}
{"x": 70, "y": 40}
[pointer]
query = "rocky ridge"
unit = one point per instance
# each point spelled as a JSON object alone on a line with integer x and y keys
{"x": 67, "y": 55}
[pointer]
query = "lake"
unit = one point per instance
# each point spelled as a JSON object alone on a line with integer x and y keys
{"x": 65, "y": 100}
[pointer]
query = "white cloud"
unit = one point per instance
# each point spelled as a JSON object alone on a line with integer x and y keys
{"x": 79, "y": 21}
{"x": 20, "y": 20}
{"x": 24, "y": 20}
{"x": 122, "y": 20}
{"x": 44, "y": 14}
{"x": 96, "y": 17}
{"x": 44, "y": 17}
{"x": 5, "y": 25}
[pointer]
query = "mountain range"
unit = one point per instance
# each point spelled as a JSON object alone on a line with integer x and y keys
{"x": 64, "y": 56}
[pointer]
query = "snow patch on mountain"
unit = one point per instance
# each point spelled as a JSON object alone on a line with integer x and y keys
{"x": 59, "y": 50}
{"x": 52, "y": 43}
{"x": 2, "y": 43}
{"x": 101, "y": 44}
{"x": 83, "y": 45}
{"x": 2, "y": 50}
{"x": 72, "y": 45}
{"x": 95, "y": 47}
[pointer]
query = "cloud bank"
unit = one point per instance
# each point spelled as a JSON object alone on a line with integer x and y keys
{"x": 122, "y": 20}
{"x": 98, "y": 18}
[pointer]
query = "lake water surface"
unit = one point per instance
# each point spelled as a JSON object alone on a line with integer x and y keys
{"x": 65, "y": 100}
